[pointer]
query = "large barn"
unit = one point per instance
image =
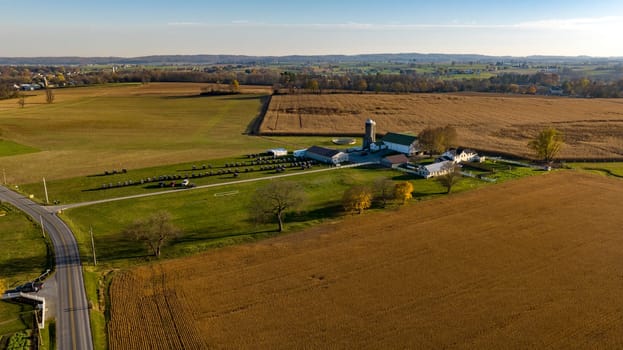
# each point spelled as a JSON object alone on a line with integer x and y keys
{"x": 402, "y": 143}
{"x": 326, "y": 155}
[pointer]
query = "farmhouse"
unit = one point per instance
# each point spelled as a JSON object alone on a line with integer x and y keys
{"x": 394, "y": 161}
{"x": 278, "y": 152}
{"x": 401, "y": 143}
{"x": 458, "y": 155}
{"x": 435, "y": 169}
{"x": 326, "y": 155}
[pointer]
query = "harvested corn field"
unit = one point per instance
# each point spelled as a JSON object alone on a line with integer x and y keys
{"x": 593, "y": 127}
{"x": 528, "y": 264}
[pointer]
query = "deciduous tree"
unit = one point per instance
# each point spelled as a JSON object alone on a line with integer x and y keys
{"x": 451, "y": 178}
{"x": 275, "y": 200}
{"x": 437, "y": 140}
{"x": 154, "y": 231}
{"x": 234, "y": 86}
{"x": 547, "y": 144}
{"x": 384, "y": 190}
{"x": 357, "y": 198}
{"x": 403, "y": 191}
{"x": 49, "y": 96}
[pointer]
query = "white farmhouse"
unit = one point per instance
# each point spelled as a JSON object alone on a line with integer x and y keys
{"x": 459, "y": 155}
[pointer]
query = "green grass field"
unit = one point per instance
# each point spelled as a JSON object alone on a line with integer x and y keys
{"x": 91, "y": 130}
{"x": 23, "y": 257}
{"x": 210, "y": 219}
{"x": 603, "y": 168}
{"x": 10, "y": 148}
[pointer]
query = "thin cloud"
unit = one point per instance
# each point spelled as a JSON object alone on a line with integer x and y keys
{"x": 547, "y": 24}
{"x": 574, "y": 23}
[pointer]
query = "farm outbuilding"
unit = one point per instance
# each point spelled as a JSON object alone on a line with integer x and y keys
{"x": 394, "y": 161}
{"x": 278, "y": 152}
{"x": 401, "y": 143}
{"x": 299, "y": 153}
{"x": 435, "y": 169}
{"x": 326, "y": 155}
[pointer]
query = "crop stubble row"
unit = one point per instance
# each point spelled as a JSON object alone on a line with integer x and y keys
{"x": 527, "y": 264}
{"x": 594, "y": 127}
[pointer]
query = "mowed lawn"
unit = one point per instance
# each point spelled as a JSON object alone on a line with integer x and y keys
{"x": 90, "y": 130}
{"x": 23, "y": 257}
{"x": 528, "y": 264}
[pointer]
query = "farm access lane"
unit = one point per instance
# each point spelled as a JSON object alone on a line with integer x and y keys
{"x": 73, "y": 330}
{"x": 57, "y": 208}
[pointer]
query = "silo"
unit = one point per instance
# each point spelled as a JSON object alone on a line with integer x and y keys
{"x": 370, "y": 135}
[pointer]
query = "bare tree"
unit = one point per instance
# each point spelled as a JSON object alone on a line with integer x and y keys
{"x": 275, "y": 199}
{"x": 154, "y": 231}
{"x": 451, "y": 178}
{"x": 384, "y": 190}
{"x": 49, "y": 96}
{"x": 547, "y": 144}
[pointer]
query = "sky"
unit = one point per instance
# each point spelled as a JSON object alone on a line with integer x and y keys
{"x": 275, "y": 28}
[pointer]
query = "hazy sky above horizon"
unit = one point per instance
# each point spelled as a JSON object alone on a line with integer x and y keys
{"x": 275, "y": 27}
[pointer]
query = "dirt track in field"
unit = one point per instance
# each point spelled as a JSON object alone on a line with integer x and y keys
{"x": 533, "y": 263}
{"x": 593, "y": 127}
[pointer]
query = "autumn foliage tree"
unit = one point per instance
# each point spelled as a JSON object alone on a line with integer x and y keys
{"x": 357, "y": 199}
{"x": 547, "y": 144}
{"x": 154, "y": 231}
{"x": 403, "y": 190}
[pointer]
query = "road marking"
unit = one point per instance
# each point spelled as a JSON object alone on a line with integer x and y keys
{"x": 221, "y": 194}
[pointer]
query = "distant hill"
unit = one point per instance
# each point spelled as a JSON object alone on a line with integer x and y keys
{"x": 297, "y": 59}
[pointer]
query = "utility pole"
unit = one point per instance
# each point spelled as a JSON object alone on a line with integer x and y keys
{"x": 42, "y": 228}
{"x": 45, "y": 187}
{"x": 93, "y": 246}
{"x": 4, "y": 174}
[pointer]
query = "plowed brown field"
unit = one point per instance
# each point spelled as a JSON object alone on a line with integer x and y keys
{"x": 530, "y": 264}
{"x": 593, "y": 127}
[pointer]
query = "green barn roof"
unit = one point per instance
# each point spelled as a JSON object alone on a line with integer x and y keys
{"x": 401, "y": 139}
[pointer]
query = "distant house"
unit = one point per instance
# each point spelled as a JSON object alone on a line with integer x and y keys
{"x": 394, "y": 161}
{"x": 435, "y": 169}
{"x": 401, "y": 143}
{"x": 278, "y": 152}
{"x": 458, "y": 155}
{"x": 326, "y": 155}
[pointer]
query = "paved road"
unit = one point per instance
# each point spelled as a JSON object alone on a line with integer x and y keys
{"x": 73, "y": 329}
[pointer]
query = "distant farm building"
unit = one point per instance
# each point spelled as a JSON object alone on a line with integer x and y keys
{"x": 394, "y": 161}
{"x": 326, "y": 155}
{"x": 278, "y": 152}
{"x": 435, "y": 169}
{"x": 459, "y": 155}
{"x": 401, "y": 143}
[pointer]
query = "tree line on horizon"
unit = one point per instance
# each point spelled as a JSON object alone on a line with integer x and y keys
{"x": 309, "y": 81}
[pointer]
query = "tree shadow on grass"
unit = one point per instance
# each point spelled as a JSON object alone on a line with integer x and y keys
{"x": 329, "y": 212}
